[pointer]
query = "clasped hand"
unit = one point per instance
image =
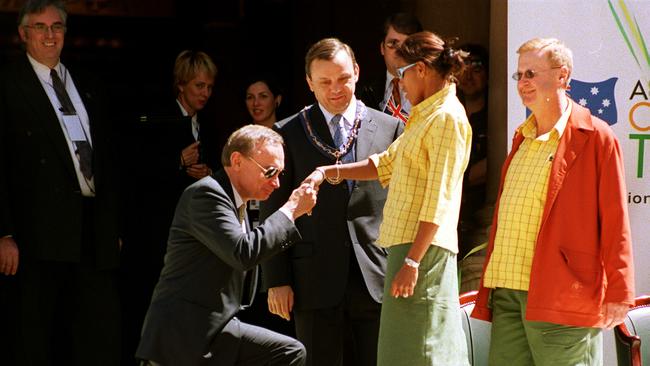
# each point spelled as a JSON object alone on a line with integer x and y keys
{"x": 8, "y": 256}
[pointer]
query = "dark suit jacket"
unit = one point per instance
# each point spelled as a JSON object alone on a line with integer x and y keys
{"x": 372, "y": 93}
{"x": 153, "y": 185}
{"x": 40, "y": 199}
{"x": 201, "y": 285}
{"x": 317, "y": 267}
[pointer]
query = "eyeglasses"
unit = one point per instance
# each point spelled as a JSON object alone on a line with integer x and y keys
{"x": 402, "y": 70}
{"x": 393, "y": 44}
{"x": 43, "y": 28}
{"x": 529, "y": 74}
{"x": 474, "y": 64}
{"x": 270, "y": 172}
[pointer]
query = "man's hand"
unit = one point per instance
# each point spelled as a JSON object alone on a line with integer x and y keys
{"x": 8, "y": 256}
{"x": 190, "y": 154}
{"x": 404, "y": 282}
{"x": 280, "y": 301}
{"x": 614, "y": 313}
{"x": 301, "y": 201}
{"x": 198, "y": 171}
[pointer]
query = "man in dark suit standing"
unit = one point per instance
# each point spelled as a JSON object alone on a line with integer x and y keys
{"x": 59, "y": 241}
{"x": 210, "y": 252}
{"x": 335, "y": 273}
{"x": 384, "y": 92}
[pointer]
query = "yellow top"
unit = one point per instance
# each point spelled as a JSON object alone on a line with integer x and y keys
{"x": 521, "y": 206}
{"x": 424, "y": 168}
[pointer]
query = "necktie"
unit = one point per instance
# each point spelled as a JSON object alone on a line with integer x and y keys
{"x": 84, "y": 150}
{"x": 394, "y": 105}
{"x": 241, "y": 214}
{"x": 397, "y": 99}
{"x": 249, "y": 280}
{"x": 340, "y": 138}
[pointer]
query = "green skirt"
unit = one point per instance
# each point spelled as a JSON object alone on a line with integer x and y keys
{"x": 424, "y": 329}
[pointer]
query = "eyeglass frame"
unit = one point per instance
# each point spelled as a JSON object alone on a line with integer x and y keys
{"x": 43, "y": 28}
{"x": 530, "y": 73}
{"x": 401, "y": 70}
{"x": 393, "y": 44}
{"x": 270, "y": 172}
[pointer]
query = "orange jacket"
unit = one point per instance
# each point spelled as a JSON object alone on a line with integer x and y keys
{"x": 583, "y": 253}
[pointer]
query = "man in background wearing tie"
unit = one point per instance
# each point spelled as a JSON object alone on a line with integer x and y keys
{"x": 59, "y": 241}
{"x": 384, "y": 93}
{"x": 335, "y": 274}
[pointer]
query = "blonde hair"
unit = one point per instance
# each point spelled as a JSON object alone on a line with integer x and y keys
{"x": 558, "y": 53}
{"x": 189, "y": 64}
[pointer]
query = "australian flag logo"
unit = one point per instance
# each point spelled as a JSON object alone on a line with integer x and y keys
{"x": 597, "y": 97}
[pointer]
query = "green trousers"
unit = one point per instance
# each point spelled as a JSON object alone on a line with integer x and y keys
{"x": 516, "y": 341}
{"x": 424, "y": 329}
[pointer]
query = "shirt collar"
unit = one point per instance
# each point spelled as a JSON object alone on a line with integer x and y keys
{"x": 185, "y": 114}
{"x": 182, "y": 109}
{"x": 238, "y": 200}
{"x": 349, "y": 114}
{"x": 43, "y": 71}
{"x": 433, "y": 101}
{"x": 389, "y": 79}
{"x": 529, "y": 127}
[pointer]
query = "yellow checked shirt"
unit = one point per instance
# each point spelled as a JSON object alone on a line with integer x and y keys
{"x": 424, "y": 168}
{"x": 521, "y": 206}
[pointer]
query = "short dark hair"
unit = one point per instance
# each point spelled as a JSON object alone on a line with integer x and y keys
{"x": 37, "y": 7}
{"x": 404, "y": 23}
{"x": 435, "y": 52}
{"x": 326, "y": 49}
{"x": 267, "y": 78}
{"x": 245, "y": 139}
{"x": 477, "y": 53}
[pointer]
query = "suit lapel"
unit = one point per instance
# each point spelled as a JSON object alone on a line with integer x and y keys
{"x": 366, "y": 138}
{"x": 319, "y": 124}
{"x": 32, "y": 90}
{"x": 248, "y": 284}
{"x": 222, "y": 178}
{"x": 575, "y": 136}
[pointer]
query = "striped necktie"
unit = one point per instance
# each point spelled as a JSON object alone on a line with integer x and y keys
{"x": 340, "y": 138}
{"x": 83, "y": 149}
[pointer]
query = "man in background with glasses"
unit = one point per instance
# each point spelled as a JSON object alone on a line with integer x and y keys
{"x": 211, "y": 251}
{"x": 473, "y": 93}
{"x": 384, "y": 93}
{"x": 59, "y": 243}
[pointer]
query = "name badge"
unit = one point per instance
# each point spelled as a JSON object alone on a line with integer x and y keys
{"x": 74, "y": 128}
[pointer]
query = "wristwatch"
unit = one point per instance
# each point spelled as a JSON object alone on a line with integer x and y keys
{"x": 411, "y": 263}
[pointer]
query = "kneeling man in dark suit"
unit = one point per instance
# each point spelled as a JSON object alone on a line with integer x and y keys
{"x": 211, "y": 259}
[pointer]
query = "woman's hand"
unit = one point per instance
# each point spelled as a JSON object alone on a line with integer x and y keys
{"x": 404, "y": 282}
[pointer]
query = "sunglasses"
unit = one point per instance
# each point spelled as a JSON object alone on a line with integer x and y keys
{"x": 529, "y": 74}
{"x": 402, "y": 70}
{"x": 270, "y": 172}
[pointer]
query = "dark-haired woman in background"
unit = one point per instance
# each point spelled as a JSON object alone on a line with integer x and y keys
{"x": 263, "y": 97}
{"x": 420, "y": 319}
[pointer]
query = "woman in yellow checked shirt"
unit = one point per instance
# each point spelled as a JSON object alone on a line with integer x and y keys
{"x": 420, "y": 321}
